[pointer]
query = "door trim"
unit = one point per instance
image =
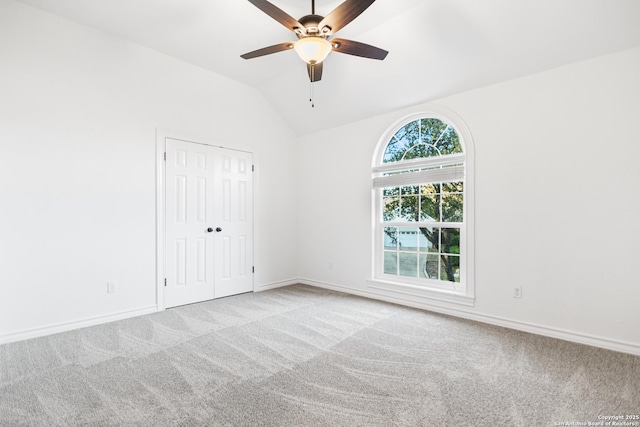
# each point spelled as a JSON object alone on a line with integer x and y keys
{"x": 161, "y": 136}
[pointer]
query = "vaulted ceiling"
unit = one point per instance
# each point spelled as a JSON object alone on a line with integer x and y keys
{"x": 437, "y": 47}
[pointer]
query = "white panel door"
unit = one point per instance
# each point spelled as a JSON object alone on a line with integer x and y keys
{"x": 234, "y": 217}
{"x": 189, "y": 252}
{"x": 208, "y": 222}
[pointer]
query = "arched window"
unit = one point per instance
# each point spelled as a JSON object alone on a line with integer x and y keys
{"x": 423, "y": 203}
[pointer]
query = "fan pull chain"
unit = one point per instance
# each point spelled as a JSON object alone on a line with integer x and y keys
{"x": 313, "y": 104}
{"x": 313, "y": 77}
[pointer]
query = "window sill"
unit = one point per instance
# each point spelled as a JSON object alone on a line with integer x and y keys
{"x": 404, "y": 290}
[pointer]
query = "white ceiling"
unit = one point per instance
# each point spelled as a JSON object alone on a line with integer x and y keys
{"x": 437, "y": 47}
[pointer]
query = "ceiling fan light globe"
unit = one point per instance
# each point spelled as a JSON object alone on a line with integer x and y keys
{"x": 312, "y": 50}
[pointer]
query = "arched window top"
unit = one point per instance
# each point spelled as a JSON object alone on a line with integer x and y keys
{"x": 420, "y": 139}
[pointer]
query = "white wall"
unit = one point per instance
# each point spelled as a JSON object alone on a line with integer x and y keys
{"x": 557, "y": 201}
{"x": 79, "y": 111}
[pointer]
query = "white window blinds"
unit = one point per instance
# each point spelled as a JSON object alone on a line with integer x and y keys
{"x": 441, "y": 174}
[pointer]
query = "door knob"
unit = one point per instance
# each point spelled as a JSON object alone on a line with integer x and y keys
{"x": 218, "y": 229}
{"x": 209, "y": 230}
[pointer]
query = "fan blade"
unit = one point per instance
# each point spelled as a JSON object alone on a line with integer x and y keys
{"x": 278, "y": 14}
{"x": 315, "y": 72}
{"x": 342, "y": 15}
{"x": 351, "y": 47}
{"x": 268, "y": 50}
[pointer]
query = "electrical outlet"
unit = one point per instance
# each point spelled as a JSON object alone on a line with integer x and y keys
{"x": 517, "y": 292}
{"x": 112, "y": 287}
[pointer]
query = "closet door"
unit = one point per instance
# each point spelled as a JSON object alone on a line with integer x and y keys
{"x": 208, "y": 223}
{"x": 233, "y": 212}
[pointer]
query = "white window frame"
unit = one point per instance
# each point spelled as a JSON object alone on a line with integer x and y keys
{"x": 462, "y": 292}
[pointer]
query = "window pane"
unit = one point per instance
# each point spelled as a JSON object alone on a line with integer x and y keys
{"x": 452, "y": 207}
{"x": 391, "y": 263}
{"x": 431, "y": 129}
{"x": 411, "y": 189}
{"x": 394, "y": 151}
{"x": 391, "y": 238}
{"x": 428, "y": 239}
{"x": 409, "y": 134}
{"x": 391, "y": 208}
{"x": 409, "y": 208}
{"x": 429, "y": 188}
{"x": 450, "y": 268}
{"x": 393, "y": 191}
{"x": 408, "y": 239}
{"x": 452, "y": 187}
{"x": 450, "y": 241}
{"x": 430, "y": 207}
{"x": 429, "y": 264}
{"x": 408, "y": 264}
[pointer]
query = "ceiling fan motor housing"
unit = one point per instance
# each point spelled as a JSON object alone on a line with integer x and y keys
{"x": 310, "y": 23}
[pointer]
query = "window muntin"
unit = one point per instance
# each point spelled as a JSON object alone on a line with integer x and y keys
{"x": 429, "y": 202}
{"x": 422, "y": 252}
{"x": 422, "y": 138}
{"x": 420, "y": 187}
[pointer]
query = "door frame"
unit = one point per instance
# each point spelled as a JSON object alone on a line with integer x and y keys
{"x": 161, "y": 136}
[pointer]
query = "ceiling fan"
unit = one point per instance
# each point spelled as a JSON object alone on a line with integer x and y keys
{"x": 315, "y": 33}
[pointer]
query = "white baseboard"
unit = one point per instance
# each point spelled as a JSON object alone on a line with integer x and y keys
{"x": 580, "y": 338}
{"x": 274, "y": 285}
{"x": 68, "y": 326}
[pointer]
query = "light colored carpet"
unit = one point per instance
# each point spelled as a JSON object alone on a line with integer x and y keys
{"x": 302, "y": 356}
